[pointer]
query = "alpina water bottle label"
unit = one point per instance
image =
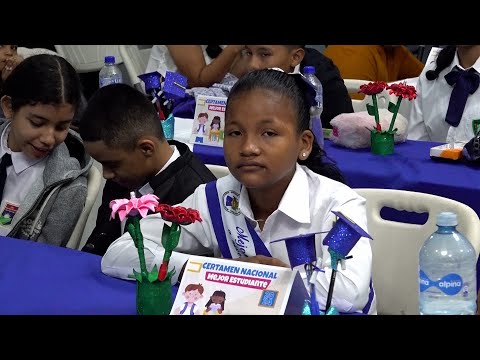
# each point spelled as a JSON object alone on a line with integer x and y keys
{"x": 450, "y": 284}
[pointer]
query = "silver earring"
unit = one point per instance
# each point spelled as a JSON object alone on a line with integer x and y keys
{"x": 304, "y": 154}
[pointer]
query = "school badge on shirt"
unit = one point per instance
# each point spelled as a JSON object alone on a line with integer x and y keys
{"x": 8, "y": 213}
{"x": 231, "y": 202}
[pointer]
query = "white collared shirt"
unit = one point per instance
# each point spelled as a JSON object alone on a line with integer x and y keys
{"x": 147, "y": 189}
{"x": 305, "y": 207}
{"x": 427, "y": 117}
{"x": 20, "y": 178}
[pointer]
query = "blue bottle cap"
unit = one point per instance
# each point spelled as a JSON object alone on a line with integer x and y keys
{"x": 309, "y": 70}
{"x": 109, "y": 59}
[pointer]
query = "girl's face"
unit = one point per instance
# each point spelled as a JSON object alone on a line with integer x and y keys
{"x": 37, "y": 129}
{"x": 262, "y": 143}
{"x": 7, "y": 52}
{"x": 8, "y": 59}
{"x": 217, "y": 299}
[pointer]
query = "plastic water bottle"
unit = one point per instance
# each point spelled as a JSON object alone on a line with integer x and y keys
{"x": 109, "y": 73}
{"x": 447, "y": 271}
{"x": 317, "y": 108}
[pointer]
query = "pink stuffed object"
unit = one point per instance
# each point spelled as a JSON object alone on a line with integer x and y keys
{"x": 352, "y": 130}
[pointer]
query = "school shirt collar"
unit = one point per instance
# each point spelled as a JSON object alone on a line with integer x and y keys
{"x": 456, "y": 62}
{"x": 147, "y": 188}
{"x": 295, "y": 202}
{"x": 20, "y": 161}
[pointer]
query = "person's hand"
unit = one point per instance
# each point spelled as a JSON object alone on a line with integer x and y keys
{"x": 261, "y": 259}
{"x": 10, "y": 64}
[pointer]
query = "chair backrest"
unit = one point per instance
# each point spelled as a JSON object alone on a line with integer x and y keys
{"x": 353, "y": 85}
{"x": 88, "y": 58}
{"x": 135, "y": 61}
{"x": 218, "y": 170}
{"x": 94, "y": 182}
{"x": 396, "y": 245}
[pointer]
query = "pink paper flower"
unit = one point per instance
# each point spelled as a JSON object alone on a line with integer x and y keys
{"x": 134, "y": 206}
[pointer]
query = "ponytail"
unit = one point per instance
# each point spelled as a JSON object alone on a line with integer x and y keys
{"x": 444, "y": 59}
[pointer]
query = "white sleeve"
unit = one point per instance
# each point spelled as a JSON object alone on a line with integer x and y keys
{"x": 27, "y": 52}
{"x": 352, "y": 285}
{"x": 416, "y": 123}
{"x": 195, "y": 239}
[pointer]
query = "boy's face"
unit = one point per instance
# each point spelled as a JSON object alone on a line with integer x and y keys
{"x": 129, "y": 169}
{"x": 202, "y": 119}
{"x": 256, "y": 57}
{"x": 192, "y": 296}
{"x": 37, "y": 129}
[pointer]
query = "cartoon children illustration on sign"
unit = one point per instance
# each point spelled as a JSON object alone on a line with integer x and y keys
{"x": 192, "y": 293}
{"x": 215, "y": 129}
{"x": 202, "y": 119}
{"x": 216, "y": 304}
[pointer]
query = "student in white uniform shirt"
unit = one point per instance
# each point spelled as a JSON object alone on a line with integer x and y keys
{"x": 279, "y": 187}
{"x": 443, "y": 111}
{"x": 46, "y": 179}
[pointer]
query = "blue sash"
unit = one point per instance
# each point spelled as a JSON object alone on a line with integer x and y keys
{"x": 215, "y": 210}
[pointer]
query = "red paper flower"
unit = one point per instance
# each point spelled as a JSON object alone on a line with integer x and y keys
{"x": 403, "y": 90}
{"x": 178, "y": 214}
{"x": 373, "y": 88}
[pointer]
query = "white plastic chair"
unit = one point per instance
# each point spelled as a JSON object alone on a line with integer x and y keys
{"x": 94, "y": 182}
{"x": 218, "y": 170}
{"x": 396, "y": 245}
{"x": 135, "y": 61}
{"x": 353, "y": 85}
{"x": 88, "y": 58}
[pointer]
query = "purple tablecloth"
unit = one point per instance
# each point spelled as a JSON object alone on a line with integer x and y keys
{"x": 43, "y": 279}
{"x": 409, "y": 168}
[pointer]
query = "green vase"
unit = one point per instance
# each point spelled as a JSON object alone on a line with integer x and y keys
{"x": 382, "y": 143}
{"x": 154, "y": 298}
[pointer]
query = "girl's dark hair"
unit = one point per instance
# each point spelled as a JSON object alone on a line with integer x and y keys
{"x": 217, "y": 293}
{"x": 213, "y": 51}
{"x": 43, "y": 79}
{"x": 444, "y": 59}
{"x": 301, "y": 95}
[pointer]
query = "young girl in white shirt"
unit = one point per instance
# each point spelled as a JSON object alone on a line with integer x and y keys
{"x": 279, "y": 187}
{"x": 438, "y": 114}
{"x": 45, "y": 183}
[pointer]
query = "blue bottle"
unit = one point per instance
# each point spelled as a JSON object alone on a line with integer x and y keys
{"x": 317, "y": 108}
{"x": 447, "y": 271}
{"x": 109, "y": 73}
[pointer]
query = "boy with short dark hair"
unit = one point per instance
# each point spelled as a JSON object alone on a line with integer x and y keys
{"x": 293, "y": 58}
{"x": 122, "y": 131}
